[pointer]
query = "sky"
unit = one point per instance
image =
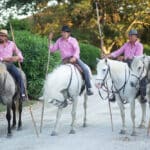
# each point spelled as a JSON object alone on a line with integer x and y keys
{"x": 4, "y": 14}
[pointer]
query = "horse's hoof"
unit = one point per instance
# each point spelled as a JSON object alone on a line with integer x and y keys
{"x": 84, "y": 125}
{"x": 122, "y": 131}
{"x": 9, "y": 135}
{"x": 54, "y": 133}
{"x": 19, "y": 128}
{"x": 13, "y": 127}
{"x": 133, "y": 133}
{"x": 141, "y": 126}
{"x": 72, "y": 131}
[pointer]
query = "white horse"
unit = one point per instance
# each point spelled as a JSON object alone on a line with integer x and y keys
{"x": 138, "y": 63}
{"x": 62, "y": 86}
{"x": 122, "y": 79}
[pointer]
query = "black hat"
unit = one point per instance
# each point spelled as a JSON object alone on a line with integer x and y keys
{"x": 133, "y": 32}
{"x": 66, "y": 29}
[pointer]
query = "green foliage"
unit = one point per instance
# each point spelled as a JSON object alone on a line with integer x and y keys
{"x": 89, "y": 54}
{"x": 19, "y": 24}
{"x": 147, "y": 49}
{"x": 35, "y": 52}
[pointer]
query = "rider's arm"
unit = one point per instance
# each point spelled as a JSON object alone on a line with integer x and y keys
{"x": 118, "y": 52}
{"x": 17, "y": 55}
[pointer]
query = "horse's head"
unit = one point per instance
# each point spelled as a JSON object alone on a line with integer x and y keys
{"x": 138, "y": 66}
{"x": 102, "y": 72}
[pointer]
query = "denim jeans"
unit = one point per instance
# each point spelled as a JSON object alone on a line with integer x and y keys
{"x": 85, "y": 72}
{"x": 12, "y": 69}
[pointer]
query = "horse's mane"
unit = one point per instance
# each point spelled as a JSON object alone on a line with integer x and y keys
{"x": 117, "y": 66}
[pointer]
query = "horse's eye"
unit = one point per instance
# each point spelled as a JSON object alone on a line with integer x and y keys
{"x": 104, "y": 70}
{"x": 139, "y": 68}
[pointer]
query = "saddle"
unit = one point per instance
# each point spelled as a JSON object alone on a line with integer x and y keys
{"x": 67, "y": 61}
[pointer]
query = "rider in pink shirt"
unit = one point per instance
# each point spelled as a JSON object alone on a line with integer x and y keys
{"x": 130, "y": 49}
{"x": 70, "y": 51}
{"x": 9, "y": 53}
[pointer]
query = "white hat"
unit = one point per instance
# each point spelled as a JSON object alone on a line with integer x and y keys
{"x": 3, "y": 31}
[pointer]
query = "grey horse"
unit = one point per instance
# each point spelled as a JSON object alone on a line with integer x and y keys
{"x": 10, "y": 96}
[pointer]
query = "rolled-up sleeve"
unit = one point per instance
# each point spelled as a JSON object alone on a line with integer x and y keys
{"x": 118, "y": 52}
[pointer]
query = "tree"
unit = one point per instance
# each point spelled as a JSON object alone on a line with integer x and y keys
{"x": 115, "y": 20}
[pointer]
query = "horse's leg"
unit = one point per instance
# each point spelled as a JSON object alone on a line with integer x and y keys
{"x": 85, "y": 110}
{"x": 73, "y": 113}
{"x": 59, "y": 111}
{"x": 122, "y": 112}
{"x": 14, "y": 114}
{"x": 8, "y": 117}
{"x": 20, "y": 113}
{"x": 132, "y": 111}
{"x": 143, "y": 119}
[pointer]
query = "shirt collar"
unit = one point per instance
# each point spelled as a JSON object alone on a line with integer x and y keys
{"x": 68, "y": 39}
{"x": 136, "y": 43}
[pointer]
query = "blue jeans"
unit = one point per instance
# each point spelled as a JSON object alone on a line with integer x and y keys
{"x": 12, "y": 69}
{"x": 85, "y": 72}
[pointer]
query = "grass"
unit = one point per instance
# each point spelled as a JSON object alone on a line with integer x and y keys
{"x": 30, "y": 102}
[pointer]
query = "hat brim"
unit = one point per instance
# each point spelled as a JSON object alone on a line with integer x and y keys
{"x": 1, "y": 33}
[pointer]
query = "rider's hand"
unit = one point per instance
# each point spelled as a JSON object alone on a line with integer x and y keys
{"x": 50, "y": 37}
{"x": 105, "y": 55}
{"x": 11, "y": 59}
{"x": 120, "y": 58}
{"x": 72, "y": 60}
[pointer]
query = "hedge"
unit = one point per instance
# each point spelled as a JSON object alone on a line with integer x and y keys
{"x": 35, "y": 52}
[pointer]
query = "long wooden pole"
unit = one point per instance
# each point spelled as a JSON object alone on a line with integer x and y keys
{"x": 110, "y": 112}
{"x": 99, "y": 29}
{"x": 148, "y": 128}
{"x": 30, "y": 110}
{"x": 43, "y": 105}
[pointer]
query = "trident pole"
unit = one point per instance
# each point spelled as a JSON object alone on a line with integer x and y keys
{"x": 43, "y": 105}
{"x": 110, "y": 112}
{"x": 103, "y": 52}
{"x": 99, "y": 29}
{"x": 148, "y": 128}
{"x": 30, "y": 110}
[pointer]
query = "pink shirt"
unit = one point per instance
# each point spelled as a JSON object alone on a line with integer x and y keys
{"x": 129, "y": 50}
{"x": 67, "y": 47}
{"x": 9, "y": 50}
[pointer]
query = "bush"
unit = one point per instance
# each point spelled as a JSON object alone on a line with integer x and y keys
{"x": 89, "y": 54}
{"x": 35, "y": 52}
{"x": 22, "y": 24}
{"x": 147, "y": 49}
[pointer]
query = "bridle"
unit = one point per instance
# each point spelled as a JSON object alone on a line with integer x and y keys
{"x": 140, "y": 77}
{"x": 114, "y": 89}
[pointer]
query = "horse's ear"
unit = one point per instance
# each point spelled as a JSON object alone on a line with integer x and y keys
{"x": 97, "y": 60}
{"x": 144, "y": 55}
{"x": 106, "y": 60}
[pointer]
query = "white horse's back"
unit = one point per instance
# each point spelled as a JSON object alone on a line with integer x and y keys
{"x": 63, "y": 77}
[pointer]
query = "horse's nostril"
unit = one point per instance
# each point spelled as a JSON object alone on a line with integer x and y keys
{"x": 98, "y": 85}
{"x": 132, "y": 84}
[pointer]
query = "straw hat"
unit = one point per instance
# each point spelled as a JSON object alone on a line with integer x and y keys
{"x": 3, "y": 31}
